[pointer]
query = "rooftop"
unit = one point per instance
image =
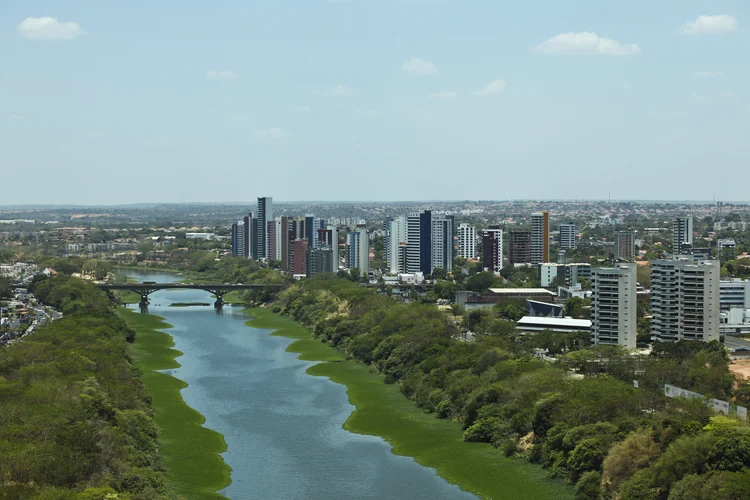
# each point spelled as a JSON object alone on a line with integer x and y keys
{"x": 552, "y": 322}
{"x": 522, "y": 291}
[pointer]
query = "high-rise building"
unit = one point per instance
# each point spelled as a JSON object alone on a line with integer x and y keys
{"x": 624, "y": 245}
{"x": 685, "y": 300}
{"x": 568, "y": 236}
{"x": 265, "y": 215}
{"x": 492, "y": 249}
{"x": 278, "y": 238}
{"x": 358, "y": 250}
{"x": 441, "y": 245}
{"x": 682, "y": 235}
{"x": 285, "y": 250}
{"x": 238, "y": 239}
{"x": 319, "y": 261}
{"x": 467, "y": 241}
{"x": 614, "y": 306}
{"x": 395, "y": 243}
{"x": 540, "y": 237}
{"x": 299, "y": 257}
{"x": 519, "y": 247}
{"x": 329, "y": 238}
{"x": 413, "y": 243}
{"x": 271, "y": 239}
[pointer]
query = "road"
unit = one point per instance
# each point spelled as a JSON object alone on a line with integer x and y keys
{"x": 736, "y": 343}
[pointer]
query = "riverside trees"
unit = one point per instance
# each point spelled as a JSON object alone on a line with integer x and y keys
{"x": 75, "y": 420}
{"x": 611, "y": 439}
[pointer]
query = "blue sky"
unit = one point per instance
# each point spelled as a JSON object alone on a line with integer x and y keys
{"x": 177, "y": 101}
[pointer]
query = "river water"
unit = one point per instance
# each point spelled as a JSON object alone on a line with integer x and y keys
{"x": 283, "y": 428}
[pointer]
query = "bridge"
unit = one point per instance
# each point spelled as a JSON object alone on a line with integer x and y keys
{"x": 147, "y": 288}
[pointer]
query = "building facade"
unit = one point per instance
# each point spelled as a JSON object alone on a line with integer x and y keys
{"x": 613, "y": 306}
{"x": 540, "y": 237}
{"x": 319, "y": 261}
{"x": 265, "y": 215}
{"x": 568, "y": 236}
{"x": 734, "y": 294}
{"x": 624, "y": 245}
{"x": 358, "y": 250}
{"x": 467, "y": 241}
{"x": 682, "y": 235}
{"x": 519, "y": 247}
{"x": 395, "y": 244}
{"x": 685, "y": 299}
{"x": 492, "y": 249}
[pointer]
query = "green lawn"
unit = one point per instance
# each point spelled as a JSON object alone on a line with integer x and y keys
{"x": 189, "y": 451}
{"x": 382, "y": 410}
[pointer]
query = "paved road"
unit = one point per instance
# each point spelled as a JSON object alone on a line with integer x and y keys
{"x": 736, "y": 343}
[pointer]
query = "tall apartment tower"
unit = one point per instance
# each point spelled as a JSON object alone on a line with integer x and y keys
{"x": 413, "y": 243}
{"x": 685, "y": 299}
{"x": 441, "y": 244}
{"x": 467, "y": 241}
{"x": 624, "y": 245}
{"x": 395, "y": 244}
{"x": 568, "y": 236}
{"x": 329, "y": 238}
{"x": 540, "y": 237}
{"x": 358, "y": 250}
{"x": 519, "y": 247}
{"x": 265, "y": 215}
{"x": 492, "y": 249}
{"x": 613, "y": 306}
{"x": 682, "y": 235}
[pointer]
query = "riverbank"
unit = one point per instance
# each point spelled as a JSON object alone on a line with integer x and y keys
{"x": 189, "y": 451}
{"x": 383, "y": 411}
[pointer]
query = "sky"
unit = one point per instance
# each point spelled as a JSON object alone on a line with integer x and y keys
{"x": 382, "y": 100}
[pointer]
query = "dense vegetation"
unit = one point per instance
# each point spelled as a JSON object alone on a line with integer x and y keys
{"x": 597, "y": 431}
{"x": 75, "y": 420}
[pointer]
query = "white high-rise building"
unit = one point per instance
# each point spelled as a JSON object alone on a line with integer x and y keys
{"x": 358, "y": 250}
{"x": 413, "y": 243}
{"x": 467, "y": 241}
{"x": 539, "y": 237}
{"x": 682, "y": 235}
{"x": 277, "y": 235}
{"x": 395, "y": 239}
{"x": 441, "y": 244}
{"x": 568, "y": 236}
{"x": 613, "y": 306}
{"x": 685, "y": 299}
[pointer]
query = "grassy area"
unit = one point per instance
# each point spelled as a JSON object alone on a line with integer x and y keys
{"x": 189, "y": 451}
{"x": 382, "y": 410}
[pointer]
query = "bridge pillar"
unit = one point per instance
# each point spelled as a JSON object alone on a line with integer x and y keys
{"x": 219, "y": 300}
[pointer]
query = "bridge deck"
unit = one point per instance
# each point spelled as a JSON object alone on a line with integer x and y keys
{"x": 190, "y": 286}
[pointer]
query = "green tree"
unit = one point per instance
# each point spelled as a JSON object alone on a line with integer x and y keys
{"x": 480, "y": 282}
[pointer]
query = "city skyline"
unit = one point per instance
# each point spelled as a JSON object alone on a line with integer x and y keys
{"x": 182, "y": 102}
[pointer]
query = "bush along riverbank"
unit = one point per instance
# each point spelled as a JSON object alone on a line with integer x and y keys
{"x": 598, "y": 432}
{"x": 75, "y": 419}
{"x": 189, "y": 451}
{"x": 383, "y": 411}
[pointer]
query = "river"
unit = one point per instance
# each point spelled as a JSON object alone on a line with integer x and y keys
{"x": 283, "y": 428}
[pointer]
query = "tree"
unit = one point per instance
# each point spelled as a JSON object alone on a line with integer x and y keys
{"x": 355, "y": 274}
{"x": 575, "y": 307}
{"x": 6, "y": 288}
{"x": 480, "y": 282}
{"x": 627, "y": 457}
{"x": 589, "y": 486}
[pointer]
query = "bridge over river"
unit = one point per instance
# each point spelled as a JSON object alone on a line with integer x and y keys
{"x": 218, "y": 289}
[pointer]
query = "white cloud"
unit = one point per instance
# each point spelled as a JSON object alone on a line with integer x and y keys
{"x": 48, "y": 28}
{"x": 221, "y": 75}
{"x": 340, "y": 90}
{"x": 627, "y": 86}
{"x": 418, "y": 66}
{"x": 585, "y": 43}
{"x": 707, "y": 74}
{"x": 443, "y": 95}
{"x": 269, "y": 134}
{"x": 710, "y": 25}
{"x": 302, "y": 109}
{"x": 492, "y": 88}
{"x": 367, "y": 113}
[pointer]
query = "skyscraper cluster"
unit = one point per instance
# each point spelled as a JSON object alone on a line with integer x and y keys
{"x": 304, "y": 245}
